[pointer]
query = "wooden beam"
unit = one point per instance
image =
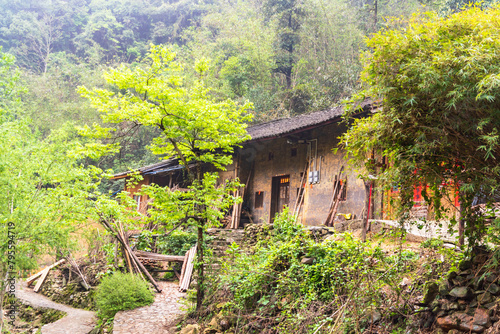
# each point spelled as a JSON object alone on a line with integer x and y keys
{"x": 159, "y": 257}
{"x": 31, "y": 279}
{"x": 183, "y": 270}
{"x": 38, "y": 285}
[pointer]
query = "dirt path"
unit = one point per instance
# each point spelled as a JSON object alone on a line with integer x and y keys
{"x": 156, "y": 318}
{"x": 75, "y": 322}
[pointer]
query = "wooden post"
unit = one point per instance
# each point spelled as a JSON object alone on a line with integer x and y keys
{"x": 368, "y": 188}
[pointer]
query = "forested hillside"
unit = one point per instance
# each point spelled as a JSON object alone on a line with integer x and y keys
{"x": 287, "y": 57}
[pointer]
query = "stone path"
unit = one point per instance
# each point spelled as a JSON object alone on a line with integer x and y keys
{"x": 76, "y": 321}
{"x": 156, "y": 318}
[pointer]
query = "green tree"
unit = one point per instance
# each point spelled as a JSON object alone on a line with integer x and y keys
{"x": 195, "y": 128}
{"x": 46, "y": 191}
{"x": 439, "y": 86}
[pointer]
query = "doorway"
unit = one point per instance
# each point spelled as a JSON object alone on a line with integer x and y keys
{"x": 280, "y": 194}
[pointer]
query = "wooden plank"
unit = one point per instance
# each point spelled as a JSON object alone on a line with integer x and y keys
{"x": 40, "y": 281}
{"x": 183, "y": 270}
{"x": 31, "y": 279}
{"x": 182, "y": 284}
{"x": 159, "y": 257}
{"x": 189, "y": 271}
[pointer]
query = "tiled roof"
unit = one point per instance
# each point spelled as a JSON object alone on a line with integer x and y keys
{"x": 296, "y": 123}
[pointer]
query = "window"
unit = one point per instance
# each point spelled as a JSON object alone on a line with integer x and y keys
{"x": 137, "y": 199}
{"x": 294, "y": 152}
{"x": 259, "y": 200}
{"x": 270, "y": 156}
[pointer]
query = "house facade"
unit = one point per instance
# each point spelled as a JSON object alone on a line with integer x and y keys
{"x": 291, "y": 163}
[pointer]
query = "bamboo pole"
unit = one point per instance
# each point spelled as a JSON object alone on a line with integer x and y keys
{"x": 132, "y": 255}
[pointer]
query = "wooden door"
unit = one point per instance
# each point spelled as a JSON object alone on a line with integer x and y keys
{"x": 280, "y": 194}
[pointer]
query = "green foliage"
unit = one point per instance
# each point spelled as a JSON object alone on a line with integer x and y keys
{"x": 432, "y": 243}
{"x": 120, "y": 292}
{"x": 285, "y": 226}
{"x": 177, "y": 243}
{"x": 273, "y": 287}
{"x": 437, "y": 79}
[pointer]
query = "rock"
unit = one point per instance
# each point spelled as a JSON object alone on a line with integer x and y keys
{"x": 404, "y": 282}
{"x": 431, "y": 290}
{"x": 210, "y": 331}
{"x": 443, "y": 288}
{"x": 490, "y": 278}
{"x": 484, "y": 298}
{"x": 214, "y": 324}
{"x": 491, "y": 305}
{"x": 224, "y": 324}
{"x": 493, "y": 289}
{"x": 459, "y": 280}
{"x": 495, "y": 329}
{"x": 191, "y": 329}
{"x": 307, "y": 260}
{"x": 461, "y": 292}
{"x": 464, "y": 265}
{"x": 334, "y": 237}
{"x": 482, "y": 318}
{"x": 374, "y": 316}
{"x": 460, "y": 321}
{"x": 451, "y": 275}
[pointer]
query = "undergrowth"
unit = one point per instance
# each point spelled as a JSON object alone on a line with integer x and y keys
{"x": 290, "y": 283}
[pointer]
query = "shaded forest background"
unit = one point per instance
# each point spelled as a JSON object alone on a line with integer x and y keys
{"x": 286, "y": 56}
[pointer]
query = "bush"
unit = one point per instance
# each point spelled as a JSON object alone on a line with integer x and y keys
{"x": 121, "y": 292}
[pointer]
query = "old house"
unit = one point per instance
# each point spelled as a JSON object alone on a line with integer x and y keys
{"x": 288, "y": 162}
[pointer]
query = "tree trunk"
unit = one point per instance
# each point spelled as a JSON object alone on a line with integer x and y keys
{"x": 200, "y": 293}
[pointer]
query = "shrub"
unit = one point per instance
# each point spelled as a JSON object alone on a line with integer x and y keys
{"x": 121, "y": 292}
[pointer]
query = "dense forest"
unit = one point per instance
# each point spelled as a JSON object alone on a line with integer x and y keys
{"x": 286, "y": 57}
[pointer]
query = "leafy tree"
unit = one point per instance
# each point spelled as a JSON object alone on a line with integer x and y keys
{"x": 439, "y": 85}
{"x": 46, "y": 191}
{"x": 195, "y": 128}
